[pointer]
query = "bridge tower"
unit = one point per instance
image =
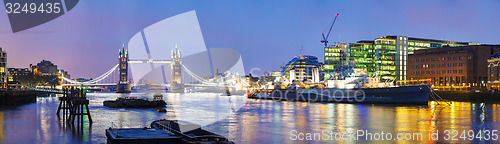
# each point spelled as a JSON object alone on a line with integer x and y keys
{"x": 123, "y": 85}
{"x": 176, "y": 70}
{"x": 176, "y": 66}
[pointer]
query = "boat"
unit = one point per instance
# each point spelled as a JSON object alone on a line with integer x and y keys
{"x": 157, "y": 94}
{"x": 190, "y": 133}
{"x": 133, "y": 102}
{"x": 227, "y": 93}
{"x": 349, "y": 85}
{"x": 418, "y": 94}
{"x": 140, "y": 135}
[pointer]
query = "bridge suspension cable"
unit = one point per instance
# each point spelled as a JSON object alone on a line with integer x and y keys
{"x": 194, "y": 75}
{"x": 204, "y": 81}
{"x": 94, "y": 80}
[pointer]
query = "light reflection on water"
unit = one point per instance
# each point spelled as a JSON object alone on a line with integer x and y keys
{"x": 258, "y": 121}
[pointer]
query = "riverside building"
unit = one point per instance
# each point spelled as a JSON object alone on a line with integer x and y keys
{"x": 304, "y": 67}
{"x": 494, "y": 72}
{"x": 3, "y": 68}
{"x": 451, "y": 68}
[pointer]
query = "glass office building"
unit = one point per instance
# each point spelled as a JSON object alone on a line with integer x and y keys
{"x": 333, "y": 56}
{"x": 302, "y": 66}
{"x": 386, "y": 57}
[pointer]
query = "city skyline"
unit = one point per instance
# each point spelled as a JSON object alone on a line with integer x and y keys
{"x": 90, "y": 35}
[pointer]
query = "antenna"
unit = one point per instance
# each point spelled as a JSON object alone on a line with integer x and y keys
{"x": 301, "y": 50}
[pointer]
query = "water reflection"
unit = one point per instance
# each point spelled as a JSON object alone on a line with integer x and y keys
{"x": 258, "y": 121}
{"x": 272, "y": 121}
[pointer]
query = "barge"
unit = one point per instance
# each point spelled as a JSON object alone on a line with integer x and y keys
{"x": 134, "y": 103}
{"x": 190, "y": 133}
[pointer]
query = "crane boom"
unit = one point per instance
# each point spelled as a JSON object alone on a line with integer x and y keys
{"x": 325, "y": 39}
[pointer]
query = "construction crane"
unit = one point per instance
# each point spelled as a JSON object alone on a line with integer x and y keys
{"x": 325, "y": 39}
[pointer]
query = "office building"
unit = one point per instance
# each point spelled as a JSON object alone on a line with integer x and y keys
{"x": 304, "y": 67}
{"x": 16, "y": 73}
{"x": 3, "y": 68}
{"x": 451, "y": 68}
{"x": 334, "y": 56}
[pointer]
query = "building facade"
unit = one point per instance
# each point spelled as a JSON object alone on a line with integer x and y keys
{"x": 304, "y": 67}
{"x": 387, "y": 57}
{"x": 3, "y": 68}
{"x": 451, "y": 68}
{"x": 16, "y": 73}
{"x": 334, "y": 55}
{"x": 494, "y": 72}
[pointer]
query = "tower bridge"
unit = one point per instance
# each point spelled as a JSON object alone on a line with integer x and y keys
{"x": 177, "y": 68}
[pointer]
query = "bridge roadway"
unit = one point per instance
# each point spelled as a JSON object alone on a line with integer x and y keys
{"x": 47, "y": 90}
{"x": 144, "y": 61}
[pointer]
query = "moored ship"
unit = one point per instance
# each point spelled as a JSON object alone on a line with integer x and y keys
{"x": 133, "y": 102}
{"x": 350, "y": 85}
{"x": 418, "y": 94}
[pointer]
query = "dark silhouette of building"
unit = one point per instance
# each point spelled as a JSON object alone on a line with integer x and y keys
{"x": 44, "y": 68}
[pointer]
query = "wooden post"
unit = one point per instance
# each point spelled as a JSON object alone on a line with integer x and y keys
{"x": 77, "y": 108}
{"x": 64, "y": 102}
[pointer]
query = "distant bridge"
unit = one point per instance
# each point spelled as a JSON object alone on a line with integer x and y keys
{"x": 47, "y": 90}
{"x": 217, "y": 81}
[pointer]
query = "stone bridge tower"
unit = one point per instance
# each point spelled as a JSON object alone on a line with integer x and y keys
{"x": 176, "y": 85}
{"x": 123, "y": 85}
{"x": 176, "y": 70}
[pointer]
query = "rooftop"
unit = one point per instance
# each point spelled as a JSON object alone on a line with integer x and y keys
{"x": 421, "y": 40}
{"x": 497, "y": 55}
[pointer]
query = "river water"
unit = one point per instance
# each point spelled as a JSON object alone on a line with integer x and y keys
{"x": 262, "y": 121}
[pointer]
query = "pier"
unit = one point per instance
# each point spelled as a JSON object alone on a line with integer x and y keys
{"x": 16, "y": 97}
{"x": 75, "y": 105}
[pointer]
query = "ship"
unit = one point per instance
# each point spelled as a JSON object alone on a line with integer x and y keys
{"x": 348, "y": 84}
{"x": 133, "y": 102}
{"x": 418, "y": 94}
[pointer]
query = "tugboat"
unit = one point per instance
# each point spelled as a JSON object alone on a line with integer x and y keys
{"x": 227, "y": 93}
{"x": 190, "y": 133}
{"x": 133, "y": 102}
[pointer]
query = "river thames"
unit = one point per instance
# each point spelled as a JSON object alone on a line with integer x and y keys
{"x": 261, "y": 121}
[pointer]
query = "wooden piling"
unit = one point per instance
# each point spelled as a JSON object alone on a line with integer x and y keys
{"x": 64, "y": 102}
{"x": 78, "y": 106}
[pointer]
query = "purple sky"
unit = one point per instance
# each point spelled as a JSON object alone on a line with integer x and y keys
{"x": 86, "y": 40}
